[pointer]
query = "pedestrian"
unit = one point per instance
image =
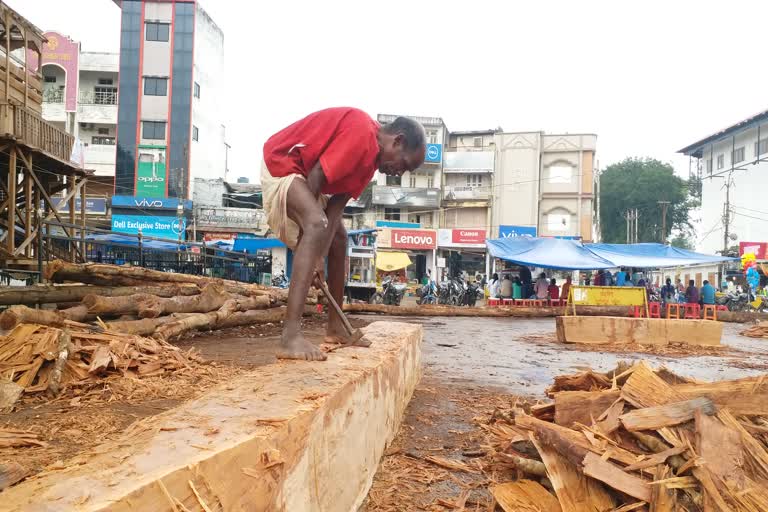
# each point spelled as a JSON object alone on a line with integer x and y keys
{"x": 495, "y": 286}
{"x": 621, "y": 277}
{"x": 707, "y": 293}
{"x": 526, "y": 280}
{"x": 608, "y": 278}
{"x": 311, "y": 170}
{"x": 506, "y": 287}
{"x": 600, "y": 278}
{"x": 566, "y": 289}
{"x": 553, "y": 290}
{"x": 542, "y": 287}
{"x": 517, "y": 289}
{"x": 692, "y": 293}
{"x": 679, "y": 285}
{"x": 668, "y": 293}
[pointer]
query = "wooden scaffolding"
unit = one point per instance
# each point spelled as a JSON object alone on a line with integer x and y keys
{"x": 35, "y": 156}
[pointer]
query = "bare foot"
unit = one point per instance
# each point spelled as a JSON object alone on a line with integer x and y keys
{"x": 338, "y": 336}
{"x": 297, "y": 347}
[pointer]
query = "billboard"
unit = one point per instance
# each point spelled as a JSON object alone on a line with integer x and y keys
{"x": 511, "y": 231}
{"x": 151, "y": 175}
{"x": 434, "y": 154}
{"x": 149, "y": 203}
{"x": 150, "y": 225}
{"x": 756, "y": 248}
{"x": 461, "y": 238}
{"x": 419, "y": 239}
{"x": 396, "y": 224}
{"x": 93, "y": 205}
{"x": 230, "y": 218}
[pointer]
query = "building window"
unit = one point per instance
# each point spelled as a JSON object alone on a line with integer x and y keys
{"x": 105, "y": 95}
{"x": 391, "y": 214}
{"x": 394, "y": 181}
{"x": 737, "y": 155}
{"x": 431, "y": 136}
{"x": 50, "y": 79}
{"x": 474, "y": 180}
{"x": 195, "y": 133}
{"x": 103, "y": 131}
{"x": 559, "y": 220}
{"x": 154, "y": 86}
{"x": 560, "y": 174}
{"x": 709, "y": 166}
{"x": 105, "y": 81}
{"x": 477, "y": 142}
{"x": 158, "y": 31}
{"x": 153, "y": 130}
{"x": 412, "y": 181}
{"x": 761, "y": 147}
{"x": 197, "y": 90}
{"x": 431, "y": 181}
{"x": 102, "y": 141}
{"x": 720, "y": 161}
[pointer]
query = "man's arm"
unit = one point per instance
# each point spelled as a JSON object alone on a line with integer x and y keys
{"x": 316, "y": 180}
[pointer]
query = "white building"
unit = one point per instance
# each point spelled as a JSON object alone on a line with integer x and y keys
{"x": 732, "y": 165}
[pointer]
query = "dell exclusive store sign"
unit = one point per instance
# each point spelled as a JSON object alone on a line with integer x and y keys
{"x": 150, "y": 225}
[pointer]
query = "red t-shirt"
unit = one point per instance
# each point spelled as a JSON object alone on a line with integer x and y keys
{"x": 554, "y": 291}
{"x": 342, "y": 138}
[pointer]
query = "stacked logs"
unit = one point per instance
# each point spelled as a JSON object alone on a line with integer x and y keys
{"x": 135, "y": 300}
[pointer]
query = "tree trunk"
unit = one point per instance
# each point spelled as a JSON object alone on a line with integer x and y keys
{"x": 145, "y": 326}
{"x": 196, "y": 321}
{"x": 15, "y": 315}
{"x": 99, "y": 305}
{"x": 53, "y": 294}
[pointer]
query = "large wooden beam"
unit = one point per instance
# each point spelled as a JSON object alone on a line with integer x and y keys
{"x": 11, "y": 187}
{"x": 299, "y": 436}
{"x": 52, "y": 294}
{"x": 644, "y": 331}
{"x": 28, "y": 208}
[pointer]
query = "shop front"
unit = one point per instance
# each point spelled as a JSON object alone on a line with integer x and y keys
{"x": 462, "y": 251}
{"x": 408, "y": 253}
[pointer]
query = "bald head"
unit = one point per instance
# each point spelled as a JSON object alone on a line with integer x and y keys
{"x": 413, "y": 133}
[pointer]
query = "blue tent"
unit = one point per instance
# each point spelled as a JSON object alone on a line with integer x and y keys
{"x": 547, "y": 252}
{"x": 251, "y": 245}
{"x": 133, "y": 241}
{"x": 651, "y": 255}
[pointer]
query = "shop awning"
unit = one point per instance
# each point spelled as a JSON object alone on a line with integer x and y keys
{"x": 547, "y": 253}
{"x": 392, "y": 260}
{"x": 650, "y": 255}
{"x": 251, "y": 245}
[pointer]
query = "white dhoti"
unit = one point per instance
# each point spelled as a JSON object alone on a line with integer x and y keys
{"x": 274, "y": 193}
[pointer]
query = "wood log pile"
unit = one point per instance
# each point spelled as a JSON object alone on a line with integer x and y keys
{"x": 757, "y": 331}
{"x": 167, "y": 306}
{"x": 636, "y": 439}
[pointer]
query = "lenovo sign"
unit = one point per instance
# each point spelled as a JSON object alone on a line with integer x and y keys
{"x": 413, "y": 239}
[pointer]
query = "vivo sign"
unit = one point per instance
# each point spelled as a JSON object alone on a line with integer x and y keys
{"x": 156, "y": 203}
{"x": 413, "y": 239}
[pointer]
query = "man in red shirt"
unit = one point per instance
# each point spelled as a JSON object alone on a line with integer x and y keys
{"x": 311, "y": 169}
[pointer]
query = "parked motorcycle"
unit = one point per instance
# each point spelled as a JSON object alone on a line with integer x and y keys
{"x": 391, "y": 293}
{"x": 734, "y": 301}
{"x": 470, "y": 295}
{"x": 427, "y": 294}
{"x": 280, "y": 281}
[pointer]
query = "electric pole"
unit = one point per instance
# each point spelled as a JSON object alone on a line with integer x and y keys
{"x": 727, "y": 213}
{"x": 664, "y": 205}
{"x": 636, "y": 217}
{"x": 631, "y": 217}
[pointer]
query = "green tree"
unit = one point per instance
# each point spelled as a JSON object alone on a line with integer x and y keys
{"x": 640, "y": 183}
{"x": 682, "y": 241}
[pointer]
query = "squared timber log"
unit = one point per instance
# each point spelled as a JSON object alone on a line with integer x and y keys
{"x": 644, "y": 331}
{"x": 293, "y": 436}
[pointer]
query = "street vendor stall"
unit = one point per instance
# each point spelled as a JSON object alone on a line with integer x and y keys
{"x": 361, "y": 265}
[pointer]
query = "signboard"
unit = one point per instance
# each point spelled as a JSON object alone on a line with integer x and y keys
{"x": 756, "y": 248}
{"x": 209, "y": 237}
{"x": 151, "y": 175}
{"x": 441, "y": 262}
{"x": 396, "y": 224}
{"x": 461, "y": 238}
{"x": 413, "y": 239}
{"x": 150, "y": 225}
{"x": 405, "y": 196}
{"x": 63, "y": 52}
{"x": 233, "y": 218}
{"x": 93, "y": 205}
{"x": 434, "y": 154}
{"x": 607, "y": 296}
{"x": 150, "y": 203}
{"x": 511, "y": 231}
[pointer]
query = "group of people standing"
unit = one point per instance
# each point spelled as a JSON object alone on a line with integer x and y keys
{"x": 523, "y": 287}
{"x": 677, "y": 293}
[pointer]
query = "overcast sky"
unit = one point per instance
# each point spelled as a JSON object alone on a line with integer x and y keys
{"x": 647, "y": 77}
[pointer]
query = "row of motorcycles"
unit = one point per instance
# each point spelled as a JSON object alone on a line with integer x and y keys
{"x": 453, "y": 292}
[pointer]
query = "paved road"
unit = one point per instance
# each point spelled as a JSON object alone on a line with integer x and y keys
{"x": 522, "y": 356}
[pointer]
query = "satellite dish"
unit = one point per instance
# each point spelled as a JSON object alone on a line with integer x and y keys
{"x": 733, "y": 236}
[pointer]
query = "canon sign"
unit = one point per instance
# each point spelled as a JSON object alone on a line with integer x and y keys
{"x": 414, "y": 239}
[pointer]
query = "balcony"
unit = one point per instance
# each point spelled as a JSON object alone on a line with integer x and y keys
{"x": 30, "y": 129}
{"x": 406, "y": 196}
{"x": 100, "y": 158}
{"x": 467, "y": 193}
{"x": 468, "y": 162}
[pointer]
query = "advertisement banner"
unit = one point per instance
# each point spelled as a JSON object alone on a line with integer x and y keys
{"x": 208, "y": 237}
{"x": 413, "y": 239}
{"x": 93, "y": 205}
{"x": 396, "y": 224}
{"x": 149, "y": 203}
{"x": 151, "y": 175}
{"x": 150, "y": 225}
{"x": 461, "y": 238}
{"x": 234, "y": 218}
{"x": 511, "y": 231}
{"x": 434, "y": 154}
{"x": 756, "y": 248}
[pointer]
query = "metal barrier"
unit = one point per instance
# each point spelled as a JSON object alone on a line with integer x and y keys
{"x": 196, "y": 258}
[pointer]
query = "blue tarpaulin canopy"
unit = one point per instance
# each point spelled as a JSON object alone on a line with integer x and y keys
{"x": 251, "y": 245}
{"x": 573, "y": 255}
{"x": 133, "y": 241}
{"x": 651, "y": 255}
{"x": 547, "y": 253}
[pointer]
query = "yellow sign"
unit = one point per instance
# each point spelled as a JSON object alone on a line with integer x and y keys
{"x": 607, "y": 296}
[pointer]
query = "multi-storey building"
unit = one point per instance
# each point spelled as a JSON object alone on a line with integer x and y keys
{"x": 80, "y": 97}
{"x": 732, "y": 165}
{"x": 170, "y": 127}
